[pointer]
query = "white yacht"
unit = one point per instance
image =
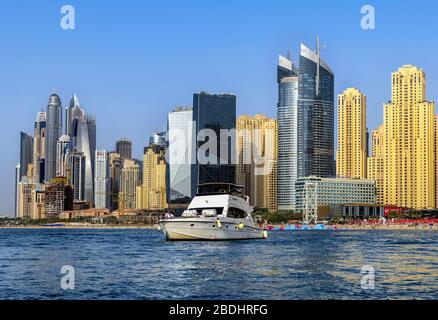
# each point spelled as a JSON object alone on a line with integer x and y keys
{"x": 220, "y": 211}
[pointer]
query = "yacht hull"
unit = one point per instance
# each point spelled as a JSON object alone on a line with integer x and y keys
{"x": 192, "y": 230}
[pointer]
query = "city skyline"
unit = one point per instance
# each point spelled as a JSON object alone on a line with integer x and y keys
{"x": 349, "y": 74}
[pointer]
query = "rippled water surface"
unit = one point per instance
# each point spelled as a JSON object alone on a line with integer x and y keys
{"x": 140, "y": 264}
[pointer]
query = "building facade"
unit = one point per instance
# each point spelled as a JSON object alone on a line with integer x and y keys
{"x": 124, "y": 148}
{"x": 53, "y": 133}
{"x": 287, "y": 117}
{"x": 58, "y": 197}
{"x": 180, "y": 155}
{"x": 375, "y": 166}
{"x": 102, "y": 180}
{"x": 315, "y": 115}
{"x": 26, "y": 153}
{"x": 39, "y": 146}
{"x": 62, "y": 150}
{"x": 337, "y": 191}
{"x": 214, "y": 117}
{"x": 116, "y": 165}
{"x": 76, "y": 174}
{"x": 409, "y": 142}
{"x": 351, "y": 158}
{"x": 81, "y": 128}
{"x": 153, "y": 190}
{"x": 128, "y": 185}
{"x": 256, "y": 151}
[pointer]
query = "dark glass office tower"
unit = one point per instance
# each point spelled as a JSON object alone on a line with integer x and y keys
{"x": 315, "y": 116}
{"x": 124, "y": 148}
{"x": 26, "y": 153}
{"x": 53, "y": 132}
{"x": 216, "y": 112}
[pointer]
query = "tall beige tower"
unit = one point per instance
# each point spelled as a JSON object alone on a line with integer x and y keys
{"x": 128, "y": 184}
{"x": 256, "y": 151}
{"x": 409, "y": 142}
{"x": 154, "y": 179}
{"x": 351, "y": 157}
{"x": 375, "y": 167}
{"x": 436, "y": 161}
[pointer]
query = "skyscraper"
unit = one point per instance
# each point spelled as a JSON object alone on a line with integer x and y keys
{"x": 76, "y": 174}
{"x": 62, "y": 149}
{"x": 375, "y": 165}
{"x": 129, "y": 183}
{"x": 87, "y": 145}
{"x": 215, "y": 114}
{"x": 409, "y": 142}
{"x": 115, "y": 164}
{"x": 124, "y": 148}
{"x": 287, "y": 117}
{"x": 81, "y": 127}
{"x": 158, "y": 138}
{"x": 53, "y": 132}
{"x": 102, "y": 180}
{"x": 256, "y": 151}
{"x": 154, "y": 179}
{"x": 315, "y": 115}
{"x": 58, "y": 197}
{"x": 39, "y": 146}
{"x": 180, "y": 180}
{"x": 26, "y": 153}
{"x": 352, "y": 135}
{"x": 17, "y": 191}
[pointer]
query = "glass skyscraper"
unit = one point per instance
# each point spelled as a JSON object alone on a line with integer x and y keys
{"x": 180, "y": 159}
{"x": 26, "y": 153}
{"x": 315, "y": 116}
{"x": 81, "y": 128}
{"x": 216, "y": 112}
{"x": 287, "y": 113}
{"x": 53, "y": 133}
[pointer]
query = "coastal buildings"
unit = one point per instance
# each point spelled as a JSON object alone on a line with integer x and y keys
{"x": 17, "y": 181}
{"x": 62, "y": 150}
{"x": 30, "y": 199}
{"x": 124, "y": 148}
{"x": 152, "y": 194}
{"x": 53, "y": 133}
{"x": 214, "y": 117}
{"x": 409, "y": 142}
{"x": 337, "y": 191}
{"x": 181, "y": 157}
{"x": 351, "y": 158}
{"x": 26, "y": 153}
{"x": 158, "y": 138}
{"x": 128, "y": 185}
{"x": 58, "y": 197}
{"x": 287, "y": 117}
{"x": 375, "y": 163}
{"x": 315, "y": 115}
{"x": 256, "y": 151}
{"x": 115, "y": 167}
{"x": 76, "y": 174}
{"x": 102, "y": 180}
{"x": 39, "y": 146}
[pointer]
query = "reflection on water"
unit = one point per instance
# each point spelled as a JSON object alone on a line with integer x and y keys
{"x": 140, "y": 264}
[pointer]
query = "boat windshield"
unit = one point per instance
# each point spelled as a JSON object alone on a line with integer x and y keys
{"x": 221, "y": 188}
{"x": 206, "y": 212}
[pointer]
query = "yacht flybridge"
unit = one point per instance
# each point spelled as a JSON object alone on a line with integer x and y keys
{"x": 220, "y": 211}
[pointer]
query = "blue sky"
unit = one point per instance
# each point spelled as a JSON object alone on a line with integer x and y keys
{"x": 130, "y": 62}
